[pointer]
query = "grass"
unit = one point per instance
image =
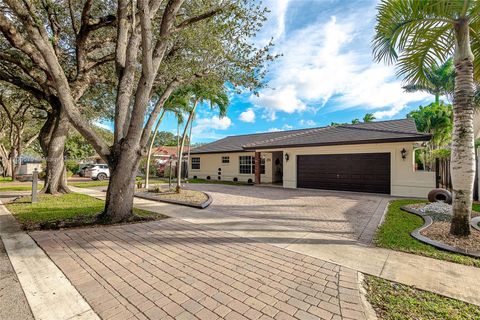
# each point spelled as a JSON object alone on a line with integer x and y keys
{"x": 24, "y": 187}
{"x": 393, "y": 301}
{"x": 52, "y": 211}
{"x": 395, "y": 234}
{"x": 218, "y": 182}
{"x": 5, "y": 179}
{"x": 89, "y": 183}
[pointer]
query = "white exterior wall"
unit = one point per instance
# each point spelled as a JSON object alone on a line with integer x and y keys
{"x": 209, "y": 164}
{"x": 405, "y": 181}
{"x": 28, "y": 168}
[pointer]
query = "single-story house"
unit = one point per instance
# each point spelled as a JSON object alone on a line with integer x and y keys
{"x": 375, "y": 157}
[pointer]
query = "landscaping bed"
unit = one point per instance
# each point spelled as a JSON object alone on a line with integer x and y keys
{"x": 191, "y": 198}
{"x": 65, "y": 211}
{"x": 394, "y": 234}
{"x": 394, "y": 301}
{"x": 436, "y": 229}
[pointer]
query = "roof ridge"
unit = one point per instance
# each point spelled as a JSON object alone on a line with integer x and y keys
{"x": 382, "y": 130}
{"x": 303, "y": 131}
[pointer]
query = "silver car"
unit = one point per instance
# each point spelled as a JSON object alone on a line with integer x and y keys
{"x": 97, "y": 172}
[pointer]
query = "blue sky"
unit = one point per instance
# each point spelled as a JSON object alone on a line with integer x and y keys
{"x": 326, "y": 73}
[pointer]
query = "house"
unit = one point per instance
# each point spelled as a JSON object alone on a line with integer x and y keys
{"x": 375, "y": 157}
{"x": 165, "y": 156}
{"x": 162, "y": 154}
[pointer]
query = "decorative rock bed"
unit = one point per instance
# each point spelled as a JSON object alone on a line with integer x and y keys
{"x": 436, "y": 217}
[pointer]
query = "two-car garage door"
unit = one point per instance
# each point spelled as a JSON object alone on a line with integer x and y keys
{"x": 362, "y": 172}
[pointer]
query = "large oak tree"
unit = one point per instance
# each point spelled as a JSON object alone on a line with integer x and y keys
{"x": 157, "y": 46}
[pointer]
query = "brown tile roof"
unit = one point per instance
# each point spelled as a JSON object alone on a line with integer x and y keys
{"x": 372, "y": 132}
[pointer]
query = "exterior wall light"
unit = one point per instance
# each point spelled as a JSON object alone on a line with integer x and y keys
{"x": 287, "y": 157}
{"x": 404, "y": 154}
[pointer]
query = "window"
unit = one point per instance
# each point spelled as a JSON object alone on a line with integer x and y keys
{"x": 247, "y": 165}
{"x": 225, "y": 159}
{"x": 195, "y": 163}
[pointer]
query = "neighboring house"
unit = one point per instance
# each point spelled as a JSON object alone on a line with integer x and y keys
{"x": 372, "y": 157}
{"x": 28, "y": 168}
{"x": 161, "y": 157}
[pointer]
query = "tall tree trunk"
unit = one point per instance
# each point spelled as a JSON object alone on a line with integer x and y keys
{"x": 182, "y": 144}
{"x": 123, "y": 169}
{"x": 463, "y": 152}
{"x": 52, "y": 140}
{"x": 150, "y": 148}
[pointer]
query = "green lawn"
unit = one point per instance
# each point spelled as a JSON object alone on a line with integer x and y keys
{"x": 50, "y": 210}
{"x": 218, "y": 182}
{"x": 24, "y": 187}
{"x": 89, "y": 183}
{"x": 5, "y": 179}
{"x": 395, "y": 234}
{"x": 394, "y": 301}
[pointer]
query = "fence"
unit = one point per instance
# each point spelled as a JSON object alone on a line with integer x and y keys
{"x": 444, "y": 177}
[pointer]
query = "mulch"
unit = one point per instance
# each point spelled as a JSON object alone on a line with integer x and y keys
{"x": 440, "y": 231}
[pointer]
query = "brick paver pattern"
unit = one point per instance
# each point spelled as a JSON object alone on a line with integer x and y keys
{"x": 340, "y": 214}
{"x": 171, "y": 269}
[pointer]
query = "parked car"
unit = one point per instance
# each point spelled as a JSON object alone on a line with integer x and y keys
{"x": 97, "y": 172}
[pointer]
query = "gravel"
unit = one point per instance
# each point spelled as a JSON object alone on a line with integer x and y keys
{"x": 437, "y": 207}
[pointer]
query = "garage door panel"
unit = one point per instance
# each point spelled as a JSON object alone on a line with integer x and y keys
{"x": 368, "y": 172}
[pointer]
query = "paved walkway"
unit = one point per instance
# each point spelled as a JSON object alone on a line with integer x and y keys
{"x": 433, "y": 275}
{"x": 13, "y": 304}
{"x": 173, "y": 269}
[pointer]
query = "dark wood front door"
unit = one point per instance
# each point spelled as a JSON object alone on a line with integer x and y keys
{"x": 361, "y": 172}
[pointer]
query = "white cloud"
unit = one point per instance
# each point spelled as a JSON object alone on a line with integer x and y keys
{"x": 389, "y": 113}
{"x": 247, "y": 116}
{"x": 308, "y": 123}
{"x": 206, "y": 127}
{"x": 320, "y": 63}
{"x": 284, "y": 128}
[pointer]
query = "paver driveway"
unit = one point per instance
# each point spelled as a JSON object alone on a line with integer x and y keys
{"x": 341, "y": 214}
{"x": 173, "y": 269}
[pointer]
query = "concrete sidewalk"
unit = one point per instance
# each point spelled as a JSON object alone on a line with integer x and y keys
{"x": 49, "y": 293}
{"x": 433, "y": 275}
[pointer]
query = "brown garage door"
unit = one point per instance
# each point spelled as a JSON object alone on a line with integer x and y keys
{"x": 363, "y": 172}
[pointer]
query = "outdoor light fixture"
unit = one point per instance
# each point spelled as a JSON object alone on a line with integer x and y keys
{"x": 404, "y": 154}
{"x": 287, "y": 157}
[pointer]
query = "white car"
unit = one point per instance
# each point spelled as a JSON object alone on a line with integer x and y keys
{"x": 97, "y": 172}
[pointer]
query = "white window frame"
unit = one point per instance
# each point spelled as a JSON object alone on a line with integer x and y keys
{"x": 194, "y": 162}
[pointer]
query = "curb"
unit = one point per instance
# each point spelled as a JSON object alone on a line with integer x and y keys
{"x": 427, "y": 222}
{"x": 145, "y": 195}
{"x": 474, "y": 223}
{"x": 370, "y": 313}
{"x": 48, "y": 291}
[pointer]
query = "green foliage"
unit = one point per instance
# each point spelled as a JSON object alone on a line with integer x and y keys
{"x": 356, "y": 121}
{"x": 165, "y": 138}
{"x": 394, "y": 234}
{"x": 368, "y": 117}
{"x": 394, "y": 301}
{"x": 418, "y": 36}
{"x": 436, "y": 119}
{"x": 77, "y": 147}
{"x": 441, "y": 153}
{"x": 71, "y": 165}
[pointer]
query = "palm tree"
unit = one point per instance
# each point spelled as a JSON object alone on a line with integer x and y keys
{"x": 440, "y": 81}
{"x": 198, "y": 93}
{"x": 356, "y": 121}
{"x": 176, "y": 105}
{"x": 417, "y": 36}
{"x": 369, "y": 117}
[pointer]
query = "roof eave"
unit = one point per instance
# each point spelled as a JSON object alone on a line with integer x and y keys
{"x": 426, "y": 137}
